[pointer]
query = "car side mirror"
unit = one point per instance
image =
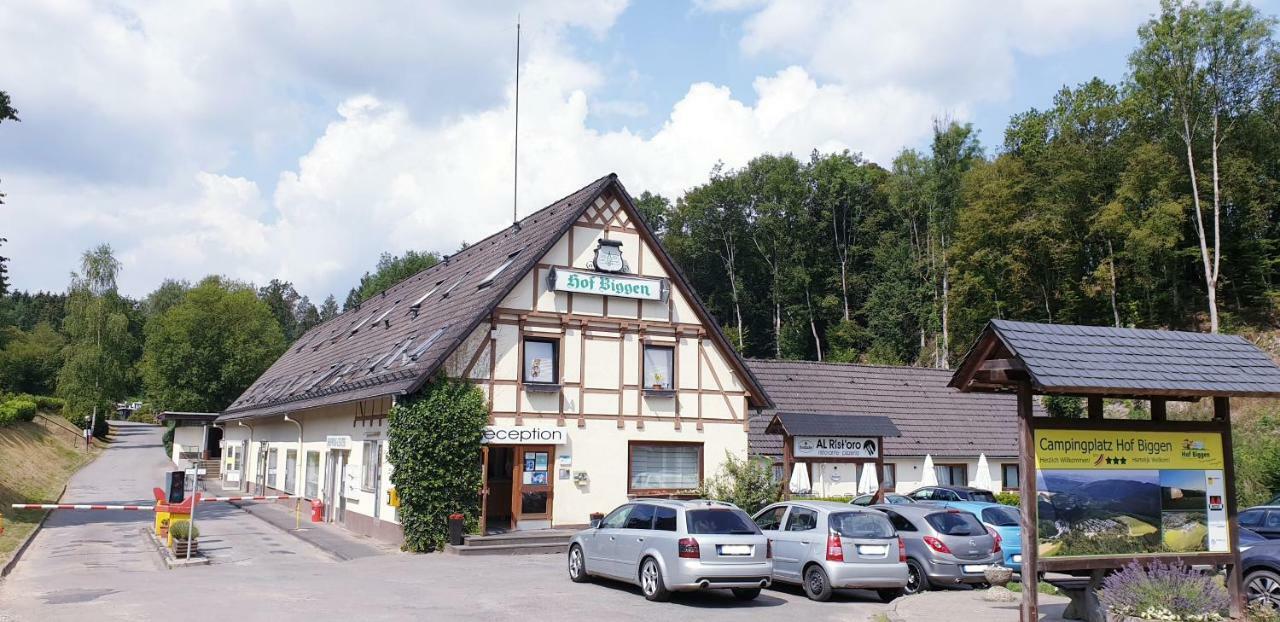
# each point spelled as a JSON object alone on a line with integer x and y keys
{"x": 595, "y": 523}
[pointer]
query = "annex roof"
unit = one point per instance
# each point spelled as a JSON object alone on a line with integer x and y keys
{"x": 174, "y": 415}
{"x": 930, "y": 417}
{"x": 1106, "y": 361}
{"x": 394, "y": 342}
{"x": 812, "y": 424}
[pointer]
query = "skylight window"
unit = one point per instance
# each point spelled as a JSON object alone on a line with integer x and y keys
{"x": 378, "y": 320}
{"x": 361, "y": 323}
{"x": 422, "y": 349}
{"x": 455, "y": 284}
{"x": 417, "y": 304}
{"x": 488, "y": 280}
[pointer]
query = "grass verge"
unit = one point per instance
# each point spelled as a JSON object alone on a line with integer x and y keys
{"x": 35, "y": 463}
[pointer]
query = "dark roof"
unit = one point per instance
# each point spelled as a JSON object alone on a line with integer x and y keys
{"x": 932, "y": 418}
{"x": 811, "y": 424}
{"x": 1101, "y": 360}
{"x": 171, "y": 415}
{"x": 396, "y": 348}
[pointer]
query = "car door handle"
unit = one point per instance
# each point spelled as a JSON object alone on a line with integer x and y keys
{"x": 639, "y": 539}
{"x": 804, "y": 542}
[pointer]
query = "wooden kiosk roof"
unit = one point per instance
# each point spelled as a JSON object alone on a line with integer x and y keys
{"x": 811, "y": 424}
{"x": 1116, "y": 362}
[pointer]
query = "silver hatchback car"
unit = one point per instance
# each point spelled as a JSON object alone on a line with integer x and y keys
{"x": 823, "y": 545}
{"x": 945, "y": 546}
{"x": 669, "y": 546}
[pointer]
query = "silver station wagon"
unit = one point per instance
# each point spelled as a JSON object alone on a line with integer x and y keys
{"x": 667, "y": 546}
{"x": 823, "y": 546}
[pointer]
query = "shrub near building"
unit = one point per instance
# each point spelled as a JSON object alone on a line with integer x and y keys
{"x": 435, "y": 449}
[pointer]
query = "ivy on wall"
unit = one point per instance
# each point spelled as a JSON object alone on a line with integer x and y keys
{"x": 435, "y": 448}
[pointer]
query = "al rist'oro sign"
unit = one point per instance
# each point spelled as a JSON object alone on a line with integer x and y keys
{"x": 1104, "y": 492}
{"x": 584, "y": 282}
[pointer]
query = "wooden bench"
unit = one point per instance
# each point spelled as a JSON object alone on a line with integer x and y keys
{"x": 1083, "y": 592}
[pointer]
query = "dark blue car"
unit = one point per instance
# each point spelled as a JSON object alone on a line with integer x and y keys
{"x": 1261, "y": 563}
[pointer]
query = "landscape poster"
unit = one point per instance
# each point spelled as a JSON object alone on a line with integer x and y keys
{"x": 1129, "y": 493}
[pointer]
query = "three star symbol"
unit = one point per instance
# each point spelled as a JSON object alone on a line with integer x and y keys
{"x": 1117, "y": 460}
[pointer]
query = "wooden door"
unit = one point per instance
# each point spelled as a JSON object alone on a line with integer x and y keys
{"x": 532, "y": 492}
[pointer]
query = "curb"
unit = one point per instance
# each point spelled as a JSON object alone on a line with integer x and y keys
{"x": 17, "y": 554}
{"x": 167, "y": 557}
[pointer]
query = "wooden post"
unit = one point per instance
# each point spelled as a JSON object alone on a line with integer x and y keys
{"x": 878, "y": 497}
{"x": 1095, "y": 407}
{"x": 788, "y": 465}
{"x": 1027, "y": 506}
{"x": 1235, "y": 582}
{"x": 1158, "y": 410}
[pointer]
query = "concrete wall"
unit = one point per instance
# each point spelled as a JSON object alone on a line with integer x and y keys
{"x": 186, "y": 438}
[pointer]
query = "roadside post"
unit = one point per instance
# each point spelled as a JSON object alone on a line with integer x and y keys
{"x": 1169, "y": 490}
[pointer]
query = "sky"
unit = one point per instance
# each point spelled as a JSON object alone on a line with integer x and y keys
{"x": 300, "y": 139}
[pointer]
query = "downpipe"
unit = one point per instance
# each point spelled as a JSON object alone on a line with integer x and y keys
{"x": 298, "y": 475}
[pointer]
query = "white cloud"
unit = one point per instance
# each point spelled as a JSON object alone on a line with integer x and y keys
{"x": 296, "y": 142}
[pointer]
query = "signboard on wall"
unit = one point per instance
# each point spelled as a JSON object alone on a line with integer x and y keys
{"x": 835, "y": 447}
{"x": 523, "y": 435}
{"x": 1107, "y": 493}
{"x": 337, "y": 442}
{"x": 623, "y": 286}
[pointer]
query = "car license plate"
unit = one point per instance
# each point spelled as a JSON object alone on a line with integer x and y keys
{"x": 735, "y": 549}
{"x": 974, "y": 568}
{"x": 1017, "y": 559}
{"x": 872, "y": 549}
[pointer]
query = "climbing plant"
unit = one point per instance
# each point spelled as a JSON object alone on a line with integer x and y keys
{"x": 435, "y": 449}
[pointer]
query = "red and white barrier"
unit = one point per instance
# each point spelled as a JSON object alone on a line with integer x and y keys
{"x": 69, "y": 506}
{"x": 257, "y": 498}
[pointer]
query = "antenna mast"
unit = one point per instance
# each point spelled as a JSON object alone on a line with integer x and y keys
{"x": 515, "y": 156}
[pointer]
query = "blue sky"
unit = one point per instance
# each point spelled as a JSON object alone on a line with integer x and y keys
{"x": 298, "y": 140}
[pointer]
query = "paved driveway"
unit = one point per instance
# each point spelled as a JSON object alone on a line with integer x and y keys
{"x": 97, "y": 566}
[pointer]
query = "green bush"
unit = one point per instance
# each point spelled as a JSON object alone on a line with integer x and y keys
{"x": 745, "y": 482}
{"x": 1008, "y": 498}
{"x": 1064, "y": 407}
{"x": 143, "y": 416}
{"x": 46, "y": 403}
{"x": 15, "y": 410}
{"x": 167, "y": 439}
{"x": 1257, "y": 458}
{"x": 434, "y": 444}
{"x": 179, "y": 530}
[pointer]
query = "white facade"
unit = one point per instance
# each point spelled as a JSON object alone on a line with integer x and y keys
{"x": 601, "y": 403}
{"x": 840, "y": 479}
{"x": 187, "y": 439}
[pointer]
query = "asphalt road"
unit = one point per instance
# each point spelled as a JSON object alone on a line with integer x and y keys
{"x": 97, "y": 566}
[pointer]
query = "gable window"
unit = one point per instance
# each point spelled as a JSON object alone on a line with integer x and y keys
{"x": 659, "y": 367}
{"x": 663, "y": 467}
{"x": 1009, "y": 477}
{"x": 540, "y": 365}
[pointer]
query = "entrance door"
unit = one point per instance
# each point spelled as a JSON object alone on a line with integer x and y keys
{"x": 335, "y": 479}
{"x": 262, "y": 469}
{"x": 532, "y": 486}
{"x": 498, "y": 470}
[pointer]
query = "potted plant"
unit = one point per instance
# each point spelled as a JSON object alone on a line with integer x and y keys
{"x": 1163, "y": 591}
{"x": 185, "y": 535}
{"x": 657, "y": 381}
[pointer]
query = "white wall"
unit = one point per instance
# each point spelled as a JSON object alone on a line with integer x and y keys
{"x": 838, "y": 479}
{"x": 186, "y": 438}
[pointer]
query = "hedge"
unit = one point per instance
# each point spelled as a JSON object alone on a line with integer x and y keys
{"x": 434, "y": 444}
{"x": 17, "y": 409}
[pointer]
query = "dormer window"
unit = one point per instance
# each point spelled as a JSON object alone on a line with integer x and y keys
{"x": 488, "y": 280}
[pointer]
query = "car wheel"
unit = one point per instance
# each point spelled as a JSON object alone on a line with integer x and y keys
{"x": 577, "y": 565}
{"x": 651, "y": 581}
{"x": 816, "y": 585}
{"x": 746, "y": 593}
{"x": 887, "y": 596}
{"x": 1262, "y": 588}
{"x": 917, "y": 580}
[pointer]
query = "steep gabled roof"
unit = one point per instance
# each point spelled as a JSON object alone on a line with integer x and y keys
{"x": 1103, "y": 360}
{"x": 932, "y": 417}
{"x": 394, "y": 342}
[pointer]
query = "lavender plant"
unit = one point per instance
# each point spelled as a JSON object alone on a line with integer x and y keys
{"x": 1164, "y": 591}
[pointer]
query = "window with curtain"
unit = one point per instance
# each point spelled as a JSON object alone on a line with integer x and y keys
{"x": 889, "y": 477}
{"x": 291, "y": 471}
{"x": 540, "y": 361}
{"x": 372, "y": 460}
{"x": 951, "y": 474}
{"x": 1009, "y": 476}
{"x": 659, "y": 366}
{"x": 664, "y": 466}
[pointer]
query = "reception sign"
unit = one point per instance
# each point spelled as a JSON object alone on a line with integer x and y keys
{"x": 583, "y": 282}
{"x": 1107, "y": 493}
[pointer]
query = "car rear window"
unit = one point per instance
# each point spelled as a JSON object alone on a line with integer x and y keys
{"x": 982, "y": 496}
{"x": 720, "y": 521}
{"x": 956, "y": 524}
{"x": 861, "y": 525}
{"x": 1000, "y": 517}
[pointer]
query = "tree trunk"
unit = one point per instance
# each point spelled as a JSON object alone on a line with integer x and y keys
{"x": 1217, "y": 233}
{"x": 944, "y": 361}
{"x": 1111, "y": 258}
{"x": 844, "y": 286}
{"x": 813, "y": 326}
{"x": 1209, "y": 278}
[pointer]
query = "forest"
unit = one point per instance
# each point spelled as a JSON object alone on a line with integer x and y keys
{"x": 1152, "y": 202}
